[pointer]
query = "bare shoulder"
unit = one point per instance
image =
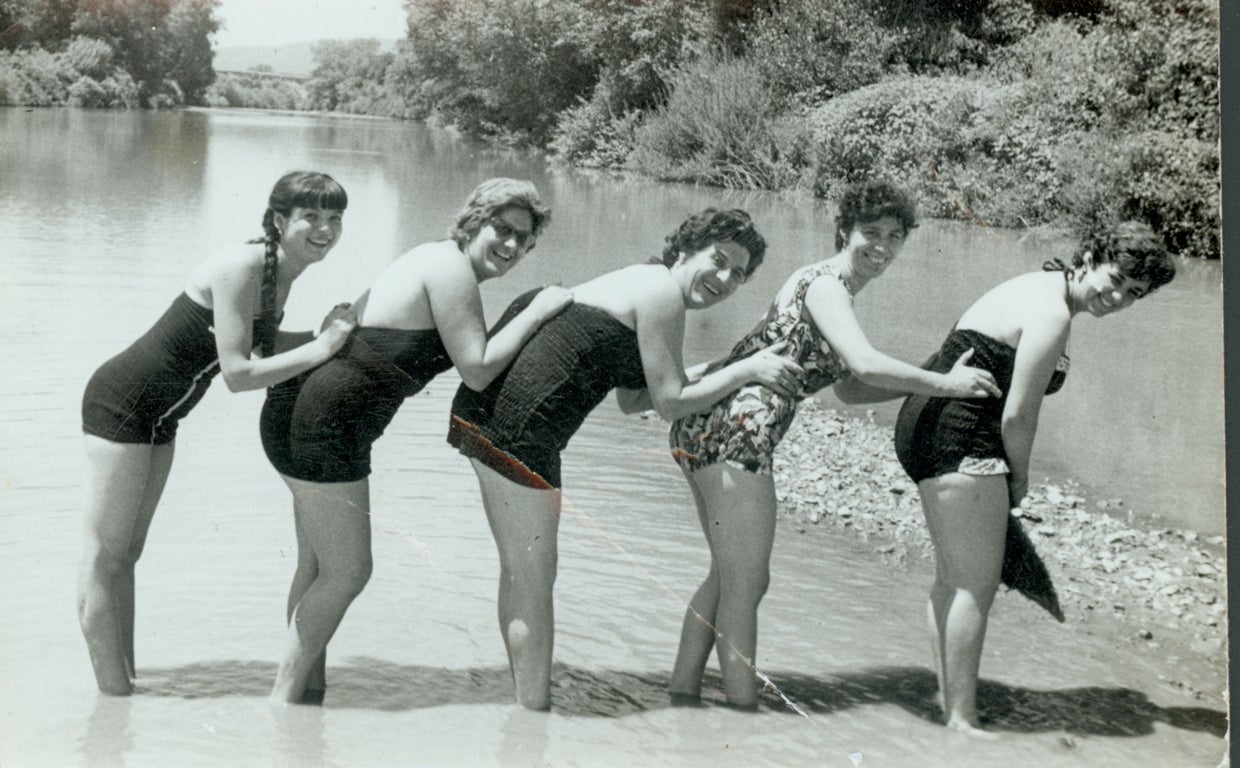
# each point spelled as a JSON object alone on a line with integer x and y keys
{"x": 1005, "y": 312}
{"x": 234, "y": 263}
{"x": 823, "y": 288}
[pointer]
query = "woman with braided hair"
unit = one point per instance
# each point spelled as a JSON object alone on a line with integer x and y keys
{"x": 230, "y": 307}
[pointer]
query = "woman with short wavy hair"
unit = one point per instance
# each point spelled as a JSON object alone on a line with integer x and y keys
{"x": 726, "y": 452}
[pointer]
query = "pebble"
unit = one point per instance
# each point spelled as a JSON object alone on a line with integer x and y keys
{"x": 1145, "y": 634}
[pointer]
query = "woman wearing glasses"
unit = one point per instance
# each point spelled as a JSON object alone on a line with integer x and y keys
{"x": 422, "y": 316}
{"x": 726, "y": 451}
{"x": 625, "y": 330}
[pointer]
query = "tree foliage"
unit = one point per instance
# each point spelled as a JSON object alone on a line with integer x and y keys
{"x": 163, "y": 47}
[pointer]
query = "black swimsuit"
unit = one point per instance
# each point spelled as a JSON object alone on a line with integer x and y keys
{"x": 938, "y": 435}
{"x": 140, "y": 395}
{"x": 321, "y": 425}
{"x": 520, "y": 423}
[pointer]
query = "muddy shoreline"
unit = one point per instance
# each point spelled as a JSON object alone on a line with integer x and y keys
{"x": 1165, "y": 587}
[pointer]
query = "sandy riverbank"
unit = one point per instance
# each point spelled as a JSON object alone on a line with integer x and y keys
{"x": 1165, "y": 587}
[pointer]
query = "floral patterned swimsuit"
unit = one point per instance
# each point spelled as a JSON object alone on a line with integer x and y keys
{"x": 743, "y": 429}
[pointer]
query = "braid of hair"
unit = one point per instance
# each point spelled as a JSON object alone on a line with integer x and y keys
{"x": 1055, "y": 265}
{"x": 267, "y": 294}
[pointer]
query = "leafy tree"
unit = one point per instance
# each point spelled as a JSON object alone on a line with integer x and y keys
{"x": 185, "y": 51}
{"x": 132, "y": 28}
{"x": 347, "y": 73}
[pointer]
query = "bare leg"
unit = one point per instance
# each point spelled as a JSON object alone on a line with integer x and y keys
{"x": 161, "y": 467}
{"x": 525, "y": 523}
{"x": 334, "y": 519}
{"x": 967, "y": 516}
{"x": 123, "y": 487}
{"x": 739, "y": 519}
{"x": 697, "y": 633}
{"x": 307, "y": 571}
{"x": 936, "y": 606}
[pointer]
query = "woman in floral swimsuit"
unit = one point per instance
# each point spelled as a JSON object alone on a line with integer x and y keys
{"x": 726, "y": 452}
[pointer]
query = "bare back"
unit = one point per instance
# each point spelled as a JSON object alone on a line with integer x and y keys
{"x": 1007, "y": 310}
{"x": 621, "y": 293}
{"x": 398, "y": 299}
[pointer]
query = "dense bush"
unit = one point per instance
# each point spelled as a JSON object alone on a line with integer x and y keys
{"x": 160, "y": 47}
{"x": 1166, "y": 180}
{"x": 594, "y": 134}
{"x": 901, "y": 130}
{"x": 811, "y": 50}
{"x": 500, "y": 67}
{"x": 348, "y": 77}
{"x": 255, "y": 91}
{"x": 34, "y": 77}
{"x": 720, "y": 126}
{"x": 1007, "y": 154}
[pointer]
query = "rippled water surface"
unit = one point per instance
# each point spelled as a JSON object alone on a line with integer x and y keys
{"x": 100, "y": 230}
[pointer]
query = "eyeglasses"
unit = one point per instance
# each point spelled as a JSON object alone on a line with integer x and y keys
{"x": 504, "y": 231}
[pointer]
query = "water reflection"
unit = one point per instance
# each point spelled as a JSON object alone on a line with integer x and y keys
{"x": 107, "y": 738}
{"x": 300, "y": 740}
{"x": 524, "y": 741}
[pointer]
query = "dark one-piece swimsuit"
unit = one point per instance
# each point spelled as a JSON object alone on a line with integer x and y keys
{"x": 141, "y": 395}
{"x": 520, "y": 423}
{"x": 938, "y": 435}
{"x": 320, "y": 426}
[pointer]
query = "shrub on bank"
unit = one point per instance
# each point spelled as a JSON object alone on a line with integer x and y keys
{"x": 254, "y": 92}
{"x": 1155, "y": 176}
{"x": 721, "y": 126}
{"x": 595, "y": 135}
{"x": 37, "y": 78}
{"x": 808, "y": 50}
{"x": 1012, "y": 154}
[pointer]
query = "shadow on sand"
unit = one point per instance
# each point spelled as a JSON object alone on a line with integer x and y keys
{"x": 368, "y": 683}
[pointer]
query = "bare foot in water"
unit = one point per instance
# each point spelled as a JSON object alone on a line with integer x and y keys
{"x": 973, "y": 730}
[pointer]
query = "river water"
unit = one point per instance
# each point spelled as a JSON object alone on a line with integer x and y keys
{"x": 103, "y": 215}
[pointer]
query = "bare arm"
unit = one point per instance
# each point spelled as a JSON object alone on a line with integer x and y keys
{"x": 286, "y": 340}
{"x": 1036, "y": 354}
{"x": 234, "y": 283}
{"x": 660, "y": 335}
{"x": 853, "y": 391}
{"x": 456, "y": 306}
{"x": 634, "y": 400}
{"x": 830, "y": 307}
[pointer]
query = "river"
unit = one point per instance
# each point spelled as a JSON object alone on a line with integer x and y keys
{"x": 104, "y": 214}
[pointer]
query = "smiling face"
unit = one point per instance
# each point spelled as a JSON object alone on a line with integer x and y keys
{"x": 309, "y": 233}
{"x": 712, "y": 274}
{"x": 1103, "y": 289}
{"x": 872, "y": 245}
{"x": 501, "y": 242}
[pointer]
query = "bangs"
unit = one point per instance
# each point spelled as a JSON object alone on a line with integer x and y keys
{"x": 321, "y": 191}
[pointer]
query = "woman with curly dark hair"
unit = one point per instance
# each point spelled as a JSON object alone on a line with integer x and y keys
{"x": 624, "y": 330}
{"x": 970, "y": 459}
{"x": 726, "y": 451}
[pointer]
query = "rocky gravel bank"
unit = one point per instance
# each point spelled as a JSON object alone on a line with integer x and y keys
{"x": 840, "y": 472}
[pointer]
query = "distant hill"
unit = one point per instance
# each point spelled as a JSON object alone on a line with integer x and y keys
{"x": 294, "y": 59}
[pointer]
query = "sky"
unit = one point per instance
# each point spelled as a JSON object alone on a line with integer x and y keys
{"x": 281, "y": 22}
